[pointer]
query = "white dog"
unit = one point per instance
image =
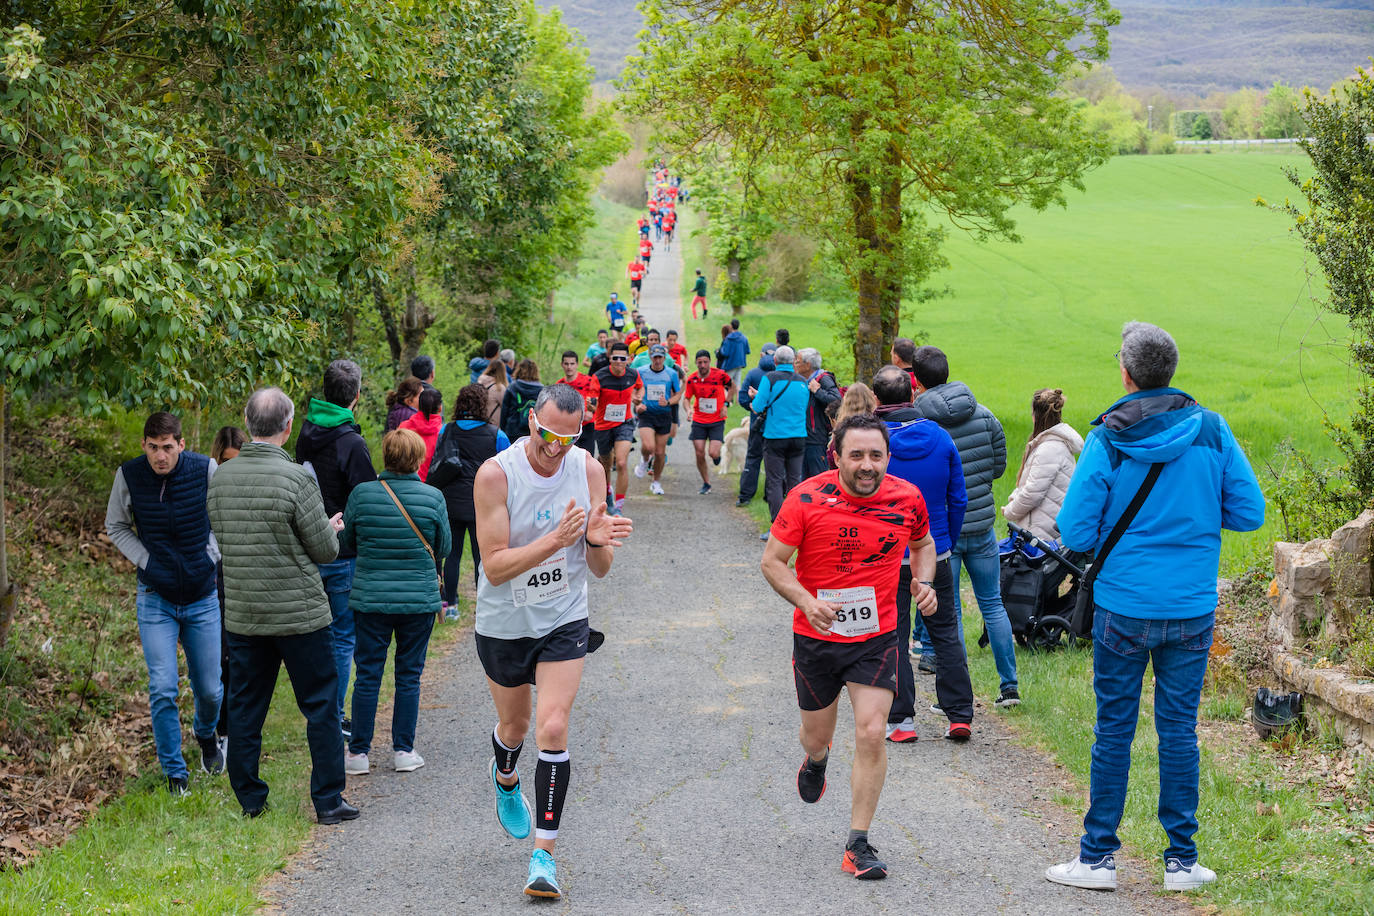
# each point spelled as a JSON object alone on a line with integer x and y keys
{"x": 736, "y": 447}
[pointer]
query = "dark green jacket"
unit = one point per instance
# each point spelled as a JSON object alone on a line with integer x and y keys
{"x": 395, "y": 574}
{"x": 268, "y": 517}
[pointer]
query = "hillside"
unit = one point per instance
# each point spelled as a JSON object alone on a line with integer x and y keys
{"x": 1184, "y": 45}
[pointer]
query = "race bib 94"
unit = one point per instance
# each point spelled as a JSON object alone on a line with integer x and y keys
{"x": 858, "y": 614}
{"x": 707, "y": 405}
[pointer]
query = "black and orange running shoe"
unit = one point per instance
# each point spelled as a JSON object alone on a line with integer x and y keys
{"x": 861, "y": 860}
{"x": 811, "y": 779}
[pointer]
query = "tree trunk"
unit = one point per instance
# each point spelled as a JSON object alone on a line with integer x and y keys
{"x": 868, "y": 332}
{"x": 7, "y": 597}
{"x": 549, "y": 300}
{"x": 393, "y": 337}
{"x": 733, "y": 270}
{"x": 415, "y": 322}
{"x": 889, "y": 217}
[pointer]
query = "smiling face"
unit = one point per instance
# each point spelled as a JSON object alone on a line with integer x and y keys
{"x": 862, "y": 461}
{"x": 163, "y": 453}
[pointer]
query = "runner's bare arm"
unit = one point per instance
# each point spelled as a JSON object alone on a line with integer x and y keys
{"x": 500, "y": 561}
{"x": 604, "y": 532}
{"x": 922, "y": 571}
{"x": 776, "y": 555}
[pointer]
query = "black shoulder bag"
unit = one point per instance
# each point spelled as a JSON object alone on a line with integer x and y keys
{"x": 1082, "y": 621}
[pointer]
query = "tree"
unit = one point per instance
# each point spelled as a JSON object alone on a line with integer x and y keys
{"x": 1282, "y": 113}
{"x": 879, "y": 113}
{"x": 1337, "y": 227}
{"x": 736, "y": 223}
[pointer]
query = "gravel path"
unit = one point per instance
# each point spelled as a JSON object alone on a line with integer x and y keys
{"x": 684, "y": 755}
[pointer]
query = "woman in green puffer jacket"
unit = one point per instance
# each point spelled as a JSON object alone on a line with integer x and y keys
{"x": 395, "y": 592}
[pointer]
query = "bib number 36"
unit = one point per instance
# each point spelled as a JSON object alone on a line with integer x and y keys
{"x": 543, "y": 583}
{"x": 858, "y": 614}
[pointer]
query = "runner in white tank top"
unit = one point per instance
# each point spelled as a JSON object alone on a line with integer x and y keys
{"x": 540, "y": 533}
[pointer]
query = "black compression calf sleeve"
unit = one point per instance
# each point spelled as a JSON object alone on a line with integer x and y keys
{"x": 505, "y": 756}
{"x": 551, "y": 785}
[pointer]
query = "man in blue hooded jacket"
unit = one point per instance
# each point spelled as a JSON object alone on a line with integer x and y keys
{"x": 921, "y": 452}
{"x": 753, "y": 455}
{"x": 1155, "y": 597}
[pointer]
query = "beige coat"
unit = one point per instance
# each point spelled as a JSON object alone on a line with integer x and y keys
{"x": 1043, "y": 481}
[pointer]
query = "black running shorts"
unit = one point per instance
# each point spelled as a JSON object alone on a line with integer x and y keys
{"x": 659, "y": 422}
{"x": 607, "y": 438}
{"x": 708, "y": 431}
{"x": 511, "y": 662}
{"x": 821, "y": 668}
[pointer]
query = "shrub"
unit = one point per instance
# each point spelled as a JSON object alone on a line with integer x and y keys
{"x": 787, "y": 264}
{"x": 624, "y": 181}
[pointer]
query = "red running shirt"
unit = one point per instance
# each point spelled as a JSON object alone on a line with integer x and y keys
{"x": 646, "y": 248}
{"x": 584, "y": 384}
{"x": 637, "y": 270}
{"x": 708, "y": 394}
{"x": 613, "y": 395}
{"x": 843, "y": 541}
{"x": 678, "y": 353}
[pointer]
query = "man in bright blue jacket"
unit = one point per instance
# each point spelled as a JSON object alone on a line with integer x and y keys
{"x": 1156, "y": 595}
{"x": 781, "y": 400}
{"x": 921, "y": 452}
{"x": 734, "y": 353}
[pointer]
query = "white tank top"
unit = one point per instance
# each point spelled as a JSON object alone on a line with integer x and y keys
{"x": 553, "y": 593}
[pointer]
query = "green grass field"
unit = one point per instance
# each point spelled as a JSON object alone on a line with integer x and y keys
{"x": 1174, "y": 240}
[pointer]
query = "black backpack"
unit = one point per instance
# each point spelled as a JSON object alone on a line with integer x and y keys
{"x": 518, "y": 423}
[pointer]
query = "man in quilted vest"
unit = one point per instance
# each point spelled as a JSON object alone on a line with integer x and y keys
{"x": 983, "y": 451}
{"x": 270, "y": 520}
{"x": 156, "y": 517}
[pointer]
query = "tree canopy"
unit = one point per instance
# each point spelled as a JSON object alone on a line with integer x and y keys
{"x": 885, "y": 116}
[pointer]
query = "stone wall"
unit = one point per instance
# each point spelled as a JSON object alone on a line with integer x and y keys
{"x": 1319, "y": 589}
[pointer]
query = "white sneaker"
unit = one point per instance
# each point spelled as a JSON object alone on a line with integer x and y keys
{"x": 1180, "y": 877}
{"x": 408, "y": 761}
{"x": 1099, "y": 877}
{"x": 641, "y": 469}
{"x": 355, "y": 764}
{"x": 656, "y": 488}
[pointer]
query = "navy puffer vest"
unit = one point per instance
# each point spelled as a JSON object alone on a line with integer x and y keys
{"x": 172, "y": 521}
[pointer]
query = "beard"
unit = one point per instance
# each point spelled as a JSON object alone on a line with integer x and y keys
{"x": 862, "y": 483}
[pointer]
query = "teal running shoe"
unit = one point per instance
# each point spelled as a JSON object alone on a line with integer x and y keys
{"x": 543, "y": 881}
{"x": 511, "y": 808}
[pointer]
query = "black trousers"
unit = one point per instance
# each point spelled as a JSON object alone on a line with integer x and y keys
{"x": 782, "y": 465}
{"x": 454, "y": 560}
{"x": 753, "y": 460}
{"x": 953, "y": 688}
{"x": 309, "y": 661}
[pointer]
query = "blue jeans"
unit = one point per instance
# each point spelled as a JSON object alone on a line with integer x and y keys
{"x": 338, "y": 584}
{"x": 1177, "y": 650}
{"x": 161, "y": 625}
{"x": 374, "y": 639}
{"x": 978, "y": 552}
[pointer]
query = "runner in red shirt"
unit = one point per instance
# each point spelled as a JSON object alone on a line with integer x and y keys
{"x": 848, "y": 529}
{"x": 635, "y": 271}
{"x": 646, "y": 251}
{"x": 709, "y": 389}
{"x": 669, "y": 221}
{"x": 676, "y": 351}
{"x": 583, "y": 383}
{"x": 618, "y": 392}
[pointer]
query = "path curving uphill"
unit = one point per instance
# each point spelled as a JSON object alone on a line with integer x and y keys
{"x": 684, "y": 755}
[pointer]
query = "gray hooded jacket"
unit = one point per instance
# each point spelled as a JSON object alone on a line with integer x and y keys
{"x": 982, "y": 447}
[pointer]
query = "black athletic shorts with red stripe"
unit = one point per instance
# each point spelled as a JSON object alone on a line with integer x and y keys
{"x": 821, "y": 668}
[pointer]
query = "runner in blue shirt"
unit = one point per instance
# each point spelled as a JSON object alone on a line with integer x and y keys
{"x": 662, "y": 389}
{"x": 615, "y": 314}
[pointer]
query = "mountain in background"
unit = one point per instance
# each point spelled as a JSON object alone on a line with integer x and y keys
{"x": 1184, "y": 45}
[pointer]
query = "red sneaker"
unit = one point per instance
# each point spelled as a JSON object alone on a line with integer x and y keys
{"x": 901, "y": 732}
{"x": 958, "y": 731}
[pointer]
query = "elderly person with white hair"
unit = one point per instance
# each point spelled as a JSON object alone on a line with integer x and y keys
{"x": 824, "y": 391}
{"x": 781, "y": 400}
{"x": 1157, "y": 451}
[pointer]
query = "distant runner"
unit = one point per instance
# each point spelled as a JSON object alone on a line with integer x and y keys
{"x": 618, "y": 391}
{"x": 699, "y": 295}
{"x": 709, "y": 389}
{"x": 662, "y": 391}
{"x": 615, "y": 314}
{"x": 584, "y": 384}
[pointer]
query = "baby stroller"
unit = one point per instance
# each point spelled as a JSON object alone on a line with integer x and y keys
{"x": 1039, "y": 587}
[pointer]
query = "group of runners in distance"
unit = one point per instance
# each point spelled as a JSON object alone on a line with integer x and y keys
{"x": 894, "y": 495}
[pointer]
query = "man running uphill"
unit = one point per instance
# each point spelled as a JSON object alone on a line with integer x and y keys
{"x": 848, "y": 529}
{"x": 539, "y": 537}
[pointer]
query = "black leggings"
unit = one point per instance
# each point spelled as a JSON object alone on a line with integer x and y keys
{"x": 454, "y": 560}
